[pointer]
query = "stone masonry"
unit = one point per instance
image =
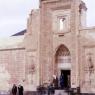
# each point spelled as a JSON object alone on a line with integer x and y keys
{"x": 57, "y": 39}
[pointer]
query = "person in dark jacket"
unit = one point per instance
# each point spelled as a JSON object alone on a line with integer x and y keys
{"x": 14, "y": 90}
{"x": 55, "y": 81}
{"x": 20, "y": 90}
{"x": 62, "y": 81}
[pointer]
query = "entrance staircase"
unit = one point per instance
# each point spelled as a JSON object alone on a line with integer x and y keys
{"x": 57, "y": 92}
{"x": 60, "y": 92}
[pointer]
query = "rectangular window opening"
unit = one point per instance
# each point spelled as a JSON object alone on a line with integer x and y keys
{"x": 61, "y": 24}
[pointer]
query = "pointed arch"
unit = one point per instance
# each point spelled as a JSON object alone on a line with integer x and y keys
{"x": 62, "y": 58}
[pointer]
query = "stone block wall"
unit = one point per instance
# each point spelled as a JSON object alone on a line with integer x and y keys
{"x": 12, "y": 64}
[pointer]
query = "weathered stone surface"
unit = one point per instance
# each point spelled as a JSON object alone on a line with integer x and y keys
{"x": 34, "y": 60}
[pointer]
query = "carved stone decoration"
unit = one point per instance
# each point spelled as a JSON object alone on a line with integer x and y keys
{"x": 32, "y": 68}
{"x": 82, "y": 6}
{"x": 4, "y": 77}
{"x": 32, "y": 64}
{"x": 91, "y": 69}
{"x": 90, "y": 63}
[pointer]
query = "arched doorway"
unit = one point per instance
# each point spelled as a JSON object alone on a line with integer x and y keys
{"x": 63, "y": 64}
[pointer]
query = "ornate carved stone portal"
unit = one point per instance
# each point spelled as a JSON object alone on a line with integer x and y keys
{"x": 62, "y": 58}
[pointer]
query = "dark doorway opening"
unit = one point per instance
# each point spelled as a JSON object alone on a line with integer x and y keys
{"x": 67, "y": 78}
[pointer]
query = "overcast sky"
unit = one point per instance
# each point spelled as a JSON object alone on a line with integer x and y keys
{"x": 14, "y": 14}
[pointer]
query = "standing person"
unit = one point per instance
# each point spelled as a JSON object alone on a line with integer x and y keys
{"x": 14, "y": 90}
{"x": 62, "y": 81}
{"x": 55, "y": 81}
{"x": 68, "y": 81}
{"x": 20, "y": 90}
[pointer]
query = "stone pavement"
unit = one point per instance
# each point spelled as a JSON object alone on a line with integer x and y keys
{"x": 60, "y": 92}
{"x": 57, "y": 92}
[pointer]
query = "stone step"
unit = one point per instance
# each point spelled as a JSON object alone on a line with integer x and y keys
{"x": 30, "y": 93}
{"x": 57, "y": 92}
{"x": 60, "y": 92}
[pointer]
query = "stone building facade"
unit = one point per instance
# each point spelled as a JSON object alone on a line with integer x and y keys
{"x": 57, "y": 41}
{"x": 62, "y": 43}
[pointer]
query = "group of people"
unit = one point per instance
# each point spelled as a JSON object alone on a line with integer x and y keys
{"x": 55, "y": 84}
{"x": 18, "y": 90}
{"x": 58, "y": 82}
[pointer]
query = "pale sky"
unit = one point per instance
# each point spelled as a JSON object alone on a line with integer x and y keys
{"x": 90, "y": 12}
{"x": 14, "y": 14}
